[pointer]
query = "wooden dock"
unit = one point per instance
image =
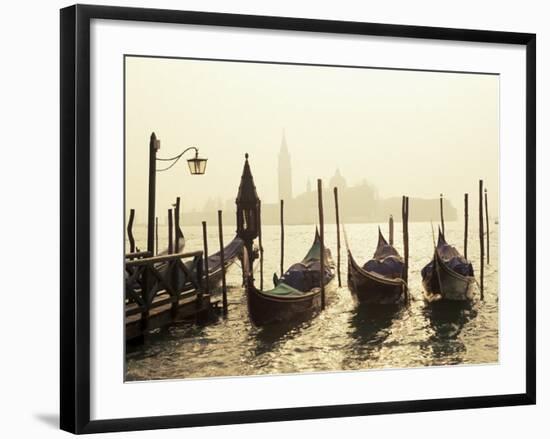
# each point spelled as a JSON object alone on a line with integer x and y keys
{"x": 161, "y": 314}
{"x": 161, "y": 290}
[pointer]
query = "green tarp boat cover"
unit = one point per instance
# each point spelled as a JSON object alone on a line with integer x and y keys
{"x": 285, "y": 290}
{"x": 304, "y": 278}
{"x": 314, "y": 253}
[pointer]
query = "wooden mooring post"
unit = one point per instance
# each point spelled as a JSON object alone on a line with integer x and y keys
{"x": 156, "y": 235}
{"x": 465, "y": 226}
{"x": 405, "y": 216}
{"x": 170, "y": 236}
{"x": 391, "y": 229}
{"x": 205, "y": 258}
{"x": 260, "y": 244}
{"x": 130, "y": 232}
{"x": 337, "y": 235}
{"x": 481, "y": 240}
{"x": 487, "y": 226}
{"x": 322, "y": 237}
{"x": 282, "y": 237}
{"x": 441, "y": 213}
{"x": 222, "y": 261}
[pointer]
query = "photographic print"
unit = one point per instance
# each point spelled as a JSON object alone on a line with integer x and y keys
{"x": 292, "y": 218}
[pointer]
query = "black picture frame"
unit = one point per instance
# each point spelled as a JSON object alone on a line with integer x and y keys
{"x": 75, "y": 217}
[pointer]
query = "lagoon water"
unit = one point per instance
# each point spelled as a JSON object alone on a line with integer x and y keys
{"x": 344, "y": 336}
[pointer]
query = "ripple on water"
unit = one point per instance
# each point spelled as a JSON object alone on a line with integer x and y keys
{"x": 343, "y": 337}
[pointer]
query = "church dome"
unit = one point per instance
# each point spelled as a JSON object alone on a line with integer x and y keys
{"x": 338, "y": 181}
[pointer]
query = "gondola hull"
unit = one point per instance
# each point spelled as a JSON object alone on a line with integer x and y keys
{"x": 296, "y": 296}
{"x": 265, "y": 309}
{"x": 232, "y": 252}
{"x": 445, "y": 284}
{"x": 215, "y": 276}
{"x": 372, "y": 289}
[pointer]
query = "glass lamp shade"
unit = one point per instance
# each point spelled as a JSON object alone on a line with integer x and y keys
{"x": 197, "y": 165}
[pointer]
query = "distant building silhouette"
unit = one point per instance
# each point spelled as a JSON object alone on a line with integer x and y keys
{"x": 285, "y": 172}
{"x": 359, "y": 203}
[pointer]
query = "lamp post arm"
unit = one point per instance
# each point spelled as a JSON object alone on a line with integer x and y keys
{"x": 176, "y": 158}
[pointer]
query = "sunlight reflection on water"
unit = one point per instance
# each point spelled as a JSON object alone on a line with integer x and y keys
{"x": 345, "y": 336}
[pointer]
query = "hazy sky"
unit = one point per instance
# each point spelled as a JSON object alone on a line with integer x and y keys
{"x": 415, "y": 133}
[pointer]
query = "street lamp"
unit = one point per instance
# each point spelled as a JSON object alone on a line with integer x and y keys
{"x": 197, "y": 166}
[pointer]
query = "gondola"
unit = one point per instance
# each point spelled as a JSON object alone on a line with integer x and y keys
{"x": 231, "y": 251}
{"x": 184, "y": 277}
{"x": 297, "y": 295}
{"x": 449, "y": 276}
{"x": 380, "y": 280}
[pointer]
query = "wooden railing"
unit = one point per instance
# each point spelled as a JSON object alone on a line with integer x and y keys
{"x": 151, "y": 282}
{"x": 138, "y": 255}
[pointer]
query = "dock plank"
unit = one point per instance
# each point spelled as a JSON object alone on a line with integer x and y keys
{"x": 190, "y": 305}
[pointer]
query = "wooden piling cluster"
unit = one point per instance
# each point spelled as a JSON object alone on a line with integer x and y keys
{"x": 174, "y": 230}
